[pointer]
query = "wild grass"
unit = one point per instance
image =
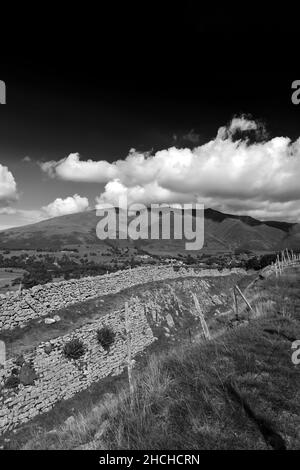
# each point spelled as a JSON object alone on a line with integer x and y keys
{"x": 181, "y": 399}
{"x": 192, "y": 409}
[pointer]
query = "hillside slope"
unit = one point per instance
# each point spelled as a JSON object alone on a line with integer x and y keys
{"x": 223, "y": 232}
{"x": 238, "y": 391}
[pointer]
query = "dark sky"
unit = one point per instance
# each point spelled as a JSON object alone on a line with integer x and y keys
{"x": 101, "y": 81}
{"x": 104, "y": 80}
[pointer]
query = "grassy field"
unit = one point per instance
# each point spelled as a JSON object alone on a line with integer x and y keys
{"x": 91, "y": 252}
{"x": 238, "y": 391}
{"x": 7, "y": 276}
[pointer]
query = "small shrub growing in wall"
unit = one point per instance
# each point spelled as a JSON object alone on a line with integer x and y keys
{"x": 74, "y": 349}
{"x": 27, "y": 374}
{"x": 20, "y": 361}
{"x": 106, "y": 337}
{"x": 12, "y": 382}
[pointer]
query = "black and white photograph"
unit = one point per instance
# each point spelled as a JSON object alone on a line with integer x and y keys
{"x": 149, "y": 232}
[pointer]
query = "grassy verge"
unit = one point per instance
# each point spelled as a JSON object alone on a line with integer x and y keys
{"x": 183, "y": 400}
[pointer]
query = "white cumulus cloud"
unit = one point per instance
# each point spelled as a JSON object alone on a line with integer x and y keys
{"x": 259, "y": 178}
{"x": 8, "y": 185}
{"x": 71, "y": 168}
{"x": 69, "y": 205}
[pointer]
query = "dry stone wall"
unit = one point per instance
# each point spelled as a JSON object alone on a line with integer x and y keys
{"x": 59, "y": 378}
{"x": 166, "y": 308}
{"x": 17, "y": 309}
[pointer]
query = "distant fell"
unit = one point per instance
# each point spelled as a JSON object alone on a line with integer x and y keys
{"x": 223, "y": 232}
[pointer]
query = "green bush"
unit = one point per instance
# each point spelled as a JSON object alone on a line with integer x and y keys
{"x": 74, "y": 349}
{"x": 106, "y": 337}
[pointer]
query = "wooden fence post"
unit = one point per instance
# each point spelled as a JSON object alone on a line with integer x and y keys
{"x": 129, "y": 361}
{"x": 202, "y": 319}
{"x": 235, "y": 304}
{"x": 243, "y": 297}
{"x": 276, "y": 269}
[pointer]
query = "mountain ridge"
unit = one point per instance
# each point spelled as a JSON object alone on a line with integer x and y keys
{"x": 222, "y": 232}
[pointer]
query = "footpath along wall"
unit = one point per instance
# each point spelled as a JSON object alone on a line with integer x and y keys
{"x": 17, "y": 309}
